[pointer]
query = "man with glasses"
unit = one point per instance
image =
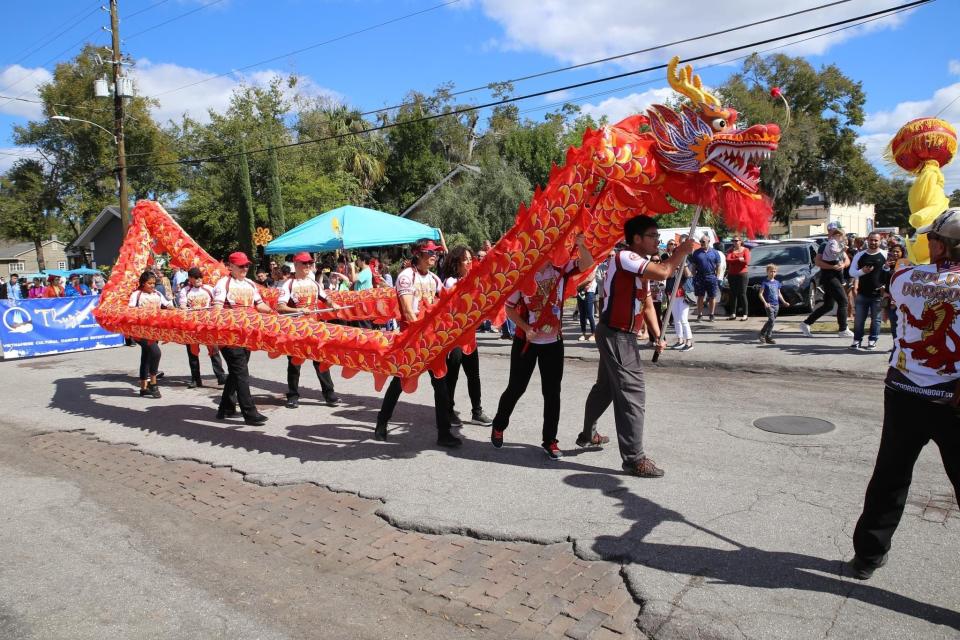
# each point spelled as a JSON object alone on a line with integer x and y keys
{"x": 303, "y": 292}
{"x": 627, "y": 307}
{"x": 922, "y": 395}
{"x": 705, "y": 262}
{"x": 867, "y": 265}
{"x": 418, "y": 285}
{"x": 738, "y": 259}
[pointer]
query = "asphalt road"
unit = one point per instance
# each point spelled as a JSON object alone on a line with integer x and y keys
{"x": 744, "y": 537}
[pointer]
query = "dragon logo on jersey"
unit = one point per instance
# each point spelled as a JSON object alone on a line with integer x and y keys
{"x": 936, "y": 326}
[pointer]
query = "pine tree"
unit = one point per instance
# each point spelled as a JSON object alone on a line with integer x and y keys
{"x": 275, "y": 206}
{"x": 246, "y": 215}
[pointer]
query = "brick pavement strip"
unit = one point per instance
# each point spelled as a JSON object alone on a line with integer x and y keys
{"x": 512, "y": 589}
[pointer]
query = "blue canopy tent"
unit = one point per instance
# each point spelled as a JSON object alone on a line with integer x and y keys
{"x": 84, "y": 271}
{"x": 56, "y": 272}
{"x": 350, "y": 227}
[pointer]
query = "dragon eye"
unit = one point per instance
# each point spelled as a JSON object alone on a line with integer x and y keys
{"x": 719, "y": 124}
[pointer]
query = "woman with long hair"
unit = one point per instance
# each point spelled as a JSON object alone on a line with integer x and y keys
{"x": 146, "y": 296}
{"x": 456, "y": 266}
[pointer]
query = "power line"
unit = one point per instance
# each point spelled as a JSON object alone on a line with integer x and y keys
{"x": 627, "y": 55}
{"x": 312, "y": 46}
{"x": 166, "y": 22}
{"x": 454, "y": 112}
{"x": 73, "y": 22}
{"x": 145, "y": 9}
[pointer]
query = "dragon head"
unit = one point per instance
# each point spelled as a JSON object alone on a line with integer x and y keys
{"x": 706, "y": 139}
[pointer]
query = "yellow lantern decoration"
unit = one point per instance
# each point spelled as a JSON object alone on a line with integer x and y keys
{"x": 262, "y": 236}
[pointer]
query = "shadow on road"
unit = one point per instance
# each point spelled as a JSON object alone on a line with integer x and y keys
{"x": 743, "y": 565}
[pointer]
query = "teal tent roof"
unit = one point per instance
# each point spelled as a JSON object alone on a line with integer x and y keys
{"x": 358, "y": 227}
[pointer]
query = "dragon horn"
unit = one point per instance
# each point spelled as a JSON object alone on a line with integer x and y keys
{"x": 688, "y": 84}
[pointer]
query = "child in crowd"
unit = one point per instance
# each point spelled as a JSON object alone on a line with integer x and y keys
{"x": 771, "y": 296}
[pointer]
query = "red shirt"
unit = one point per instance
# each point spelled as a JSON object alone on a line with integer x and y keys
{"x": 737, "y": 264}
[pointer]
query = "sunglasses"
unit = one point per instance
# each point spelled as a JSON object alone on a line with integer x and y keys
{"x": 428, "y": 252}
{"x": 307, "y": 263}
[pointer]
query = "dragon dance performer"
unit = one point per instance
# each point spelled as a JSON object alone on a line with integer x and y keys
{"x": 456, "y": 266}
{"x": 146, "y": 296}
{"x": 415, "y": 285}
{"x": 195, "y": 295}
{"x": 921, "y": 399}
{"x": 237, "y": 291}
{"x": 538, "y": 342}
{"x": 298, "y": 293}
{"x": 627, "y": 306}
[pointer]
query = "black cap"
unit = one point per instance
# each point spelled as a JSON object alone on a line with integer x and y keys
{"x": 195, "y": 272}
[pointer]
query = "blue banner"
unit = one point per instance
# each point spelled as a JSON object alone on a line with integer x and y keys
{"x": 52, "y": 325}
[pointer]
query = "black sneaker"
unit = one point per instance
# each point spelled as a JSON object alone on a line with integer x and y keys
{"x": 380, "y": 431}
{"x": 222, "y": 380}
{"x": 496, "y": 437}
{"x": 455, "y": 420}
{"x": 861, "y": 569}
{"x": 479, "y": 417}
{"x": 154, "y": 390}
{"x": 292, "y": 402}
{"x": 447, "y": 439}
{"x": 771, "y": 340}
{"x": 144, "y": 392}
{"x": 552, "y": 450}
{"x": 332, "y": 400}
{"x": 193, "y": 384}
{"x": 763, "y": 339}
{"x": 223, "y": 414}
{"x": 255, "y": 419}
{"x": 855, "y": 346}
{"x": 711, "y": 319}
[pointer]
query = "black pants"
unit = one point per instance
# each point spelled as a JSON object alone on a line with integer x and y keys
{"x": 237, "y": 387}
{"x": 909, "y": 423}
{"x": 293, "y": 379}
{"x": 738, "y": 294}
{"x": 524, "y": 357}
{"x": 215, "y": 362}
{"x": 149, "y": 358}
{"x": 441, "y": 402}
{"x": 833, "y": 291}
{"x": 471, "y": 366}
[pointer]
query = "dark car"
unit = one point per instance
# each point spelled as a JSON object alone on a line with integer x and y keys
{"x": 796, "y": 270}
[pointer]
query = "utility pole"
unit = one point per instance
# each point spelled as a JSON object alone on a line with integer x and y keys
{"x": 118, "y": 117}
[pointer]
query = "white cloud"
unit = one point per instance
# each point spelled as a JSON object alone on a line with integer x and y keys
{"x": 880, "y": 127}
{"x": 954, "y": 67}
{"x": 211, "y": 92}
{"x": 577, "y": 31}
{"x": 21, "y": 82}
{"x": 616, "y": 109}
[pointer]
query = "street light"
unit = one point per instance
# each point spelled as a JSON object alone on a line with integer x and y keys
{"x": 69, "y": 119}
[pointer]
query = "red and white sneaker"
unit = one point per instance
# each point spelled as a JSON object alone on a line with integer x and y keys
{"x": 553, "y": 450}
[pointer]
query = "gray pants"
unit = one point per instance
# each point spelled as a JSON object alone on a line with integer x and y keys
{"x": 619, "y": 380}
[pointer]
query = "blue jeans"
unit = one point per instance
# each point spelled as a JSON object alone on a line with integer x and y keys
{"x": 508, "y": 328}
{"x": 893, "y": 315}
{"x": 585, "y": 310}
{"x": 862, "y": 306}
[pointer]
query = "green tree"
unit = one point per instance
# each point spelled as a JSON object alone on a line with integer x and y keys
{"x": 277, "y": 223}
{"x": 24, "y": 201}
{"x": 955, "y": 198}
{"x": 891, "y": 206}
{"x": 245, "y": 226}
{"x": 818, "y": 150}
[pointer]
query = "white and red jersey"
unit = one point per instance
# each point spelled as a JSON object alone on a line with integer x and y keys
{"x": 231, "y": 292}
{"x": 302, "y": 293}
{"x": 625, "y": 291}
{"x": 191, "y": 297}
{"x": 926, "y": 351}
{"x": 545, "y": 306}
{"x": 155, "y": 300}
{"x": 422, "y": 286}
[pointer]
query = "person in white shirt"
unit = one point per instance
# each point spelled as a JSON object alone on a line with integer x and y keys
{"x": 146, "y": 296}
{"x": 417, "y": 285}
{"x": 232, "y": 292}
{"x": 193, "y": 294}
{"x": 303, "y": 292}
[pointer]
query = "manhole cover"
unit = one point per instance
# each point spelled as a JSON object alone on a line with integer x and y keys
{"x": 794, "y": 425}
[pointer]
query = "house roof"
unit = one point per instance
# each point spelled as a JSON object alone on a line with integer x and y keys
{"x": 87, "y": 235}
{"x": 13, "y": 250}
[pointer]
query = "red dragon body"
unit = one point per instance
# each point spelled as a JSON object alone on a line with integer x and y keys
{"x": 695, "y": 156}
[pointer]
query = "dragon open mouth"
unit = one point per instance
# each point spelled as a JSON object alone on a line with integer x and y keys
{"x": 737, "y": 159}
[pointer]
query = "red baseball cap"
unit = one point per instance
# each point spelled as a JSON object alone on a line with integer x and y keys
{"x": 303, "y": 256}
{"x": 239, "y": 258}
{"x": 429, "y": 245}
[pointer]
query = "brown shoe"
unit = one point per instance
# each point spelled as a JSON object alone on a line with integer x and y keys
{"x": 645, "y": 468}
{"x": 597, "y": 440}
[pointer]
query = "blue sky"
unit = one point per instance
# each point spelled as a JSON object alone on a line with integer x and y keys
{"x": 909, "y": 64}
